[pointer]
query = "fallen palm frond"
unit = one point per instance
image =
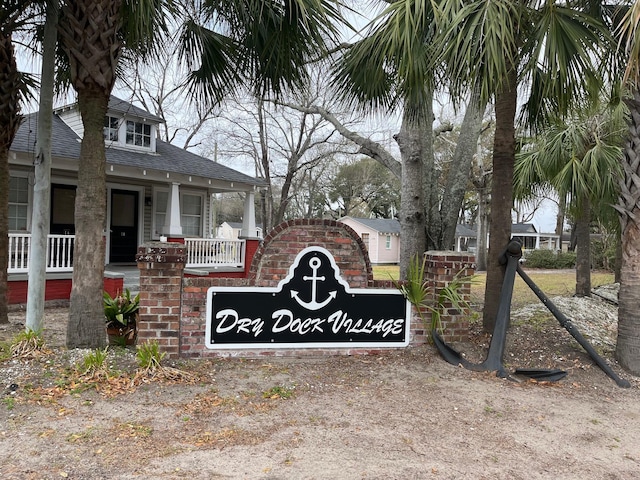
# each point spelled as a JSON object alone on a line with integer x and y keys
{"x": 29, "y": 344}
{"x": 150, "y": 367}
{"x": 94, "y": 366}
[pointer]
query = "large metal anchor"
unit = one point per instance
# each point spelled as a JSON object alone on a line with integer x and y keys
{"x": 493, "y": 362}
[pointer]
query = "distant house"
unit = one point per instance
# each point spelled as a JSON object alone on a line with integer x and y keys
{"x": 526, "y": 233}
{"x": 233, "y": 230}
{"x": 381, "y": 236}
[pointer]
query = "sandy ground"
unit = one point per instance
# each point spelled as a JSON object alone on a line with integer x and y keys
{"x": 399, "y": 415}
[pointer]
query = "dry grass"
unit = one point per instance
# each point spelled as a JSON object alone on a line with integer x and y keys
{"x": 552, "y": 283}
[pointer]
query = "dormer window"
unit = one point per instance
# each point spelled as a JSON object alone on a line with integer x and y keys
{"x": 138, "y": 134}
{"x": 111, "y": 126}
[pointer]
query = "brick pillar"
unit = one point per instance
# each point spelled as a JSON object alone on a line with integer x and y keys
{"x": 440, "y": 269}
{"x": 161, "y": 266}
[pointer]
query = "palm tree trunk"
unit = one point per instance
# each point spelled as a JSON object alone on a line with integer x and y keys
{"x": 504, "y": 150}
{"x": 9, "y": 122}
{"x": 628, "y": 345}
{"x": 583, "y": 245}
{"x": 90, "y": 36}
{"x": 86, "y": 315}
{"x": 412, "y": 205}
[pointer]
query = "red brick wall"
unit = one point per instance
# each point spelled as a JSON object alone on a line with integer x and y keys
{"x": 270, "y": 265}
{"x": 440, "y": 270}
{"x": 161, "y": 266}
{"x": 173, "y": 307}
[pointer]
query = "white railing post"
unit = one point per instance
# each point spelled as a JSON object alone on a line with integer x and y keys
{"x": 214, "y": 252}
{"x": 59, "y": 253}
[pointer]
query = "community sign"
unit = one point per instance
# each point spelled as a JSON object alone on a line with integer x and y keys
{"x": 313, "y": 307}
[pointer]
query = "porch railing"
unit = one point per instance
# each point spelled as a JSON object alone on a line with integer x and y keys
{"x": 214, "y": 252}
{"x": 59, "y": 252}
{"x": 201, "y": 253}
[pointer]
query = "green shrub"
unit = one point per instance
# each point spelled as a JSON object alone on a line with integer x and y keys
{"x": 550, "y": 259}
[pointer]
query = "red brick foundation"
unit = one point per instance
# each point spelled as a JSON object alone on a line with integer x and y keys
{"x": 55, "y": 289}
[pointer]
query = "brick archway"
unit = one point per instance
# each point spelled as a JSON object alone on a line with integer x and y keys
{"x": 273, "y": 258}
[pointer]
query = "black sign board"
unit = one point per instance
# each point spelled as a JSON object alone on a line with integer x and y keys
{"x": 313, "y": 307}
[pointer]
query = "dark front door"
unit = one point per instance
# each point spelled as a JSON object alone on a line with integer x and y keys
{"x": 63, "y": 202}
{"x": 124, "y": 226}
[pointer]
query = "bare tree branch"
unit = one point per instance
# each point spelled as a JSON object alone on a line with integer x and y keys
{"x": 367, "y": 147}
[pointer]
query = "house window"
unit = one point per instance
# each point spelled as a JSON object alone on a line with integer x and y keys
{"x": 111, "y": 126}
{"x": 388, "y": 242}
{"x": 365, "y": 240}
{"x": 191, "y": 208}
{"x": 18, "y": 203}
{"x": 191, "y": 215}
{"x": 138, "y": 134}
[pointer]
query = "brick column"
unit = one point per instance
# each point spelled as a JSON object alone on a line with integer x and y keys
{"x": 440, "y": 269}
{"x": 161, "y": 266}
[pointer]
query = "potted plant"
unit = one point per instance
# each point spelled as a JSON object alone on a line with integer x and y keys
{"x": 121, "y": 316}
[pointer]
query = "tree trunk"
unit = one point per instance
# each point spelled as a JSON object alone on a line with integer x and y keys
{"x": 458, "y": 178}
{"x": 562, "y": 205}
{"x": 431, "y": 189}
{"x": 9, "y": 123}
{"x": 267, "y": 215}
{"x": 86, "y": 315}
{"x": 91, "y": 39}
{"x": 483, "y": 228}
{"x": 42, "y": 187}
{"x": 501, "y": 196}
{"x": 412, "y": 206}
{"x": 628, "y": 345}
{"x": 583, "y": 245}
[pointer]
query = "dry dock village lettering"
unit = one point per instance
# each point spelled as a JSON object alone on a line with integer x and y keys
{"x": 312, "y": 307}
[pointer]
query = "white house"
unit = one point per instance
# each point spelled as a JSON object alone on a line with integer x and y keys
{"x": 381, "y": 236}
{"x": 154, "y": 188}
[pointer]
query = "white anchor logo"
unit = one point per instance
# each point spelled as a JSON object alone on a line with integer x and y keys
{"x": 314, "y": 263}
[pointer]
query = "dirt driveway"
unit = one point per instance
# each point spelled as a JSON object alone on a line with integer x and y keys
{"x": 399, "y": 415}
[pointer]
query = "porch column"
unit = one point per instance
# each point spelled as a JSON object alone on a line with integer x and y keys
{"x": 538, "y": 241}
{"x": 249, "y": 217}
{"x": 172, "y": 225}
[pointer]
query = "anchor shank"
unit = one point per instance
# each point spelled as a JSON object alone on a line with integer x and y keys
{"x": 498, "y": 340}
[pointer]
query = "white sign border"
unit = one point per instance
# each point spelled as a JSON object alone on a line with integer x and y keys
{"x": 303, "y": 345}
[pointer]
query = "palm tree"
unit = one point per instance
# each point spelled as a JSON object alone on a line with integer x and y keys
{"x": 254, "y": 43}
{"x": 94, "y": 34}
{"x": 14, "y": 16}
{"x": 497, "y": 46}
{"x": 391, "y": 68}
{"x": 579, "y": 158}
{"x": 628, "y": 345}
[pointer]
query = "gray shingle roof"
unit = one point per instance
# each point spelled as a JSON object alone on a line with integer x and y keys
{"x": 121, "y": 106}
{"x": 382, "y": 225}
{"x": 523, "y": 228}
{"x": 168, "y": 158}
{"x": 466, "y": 231}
